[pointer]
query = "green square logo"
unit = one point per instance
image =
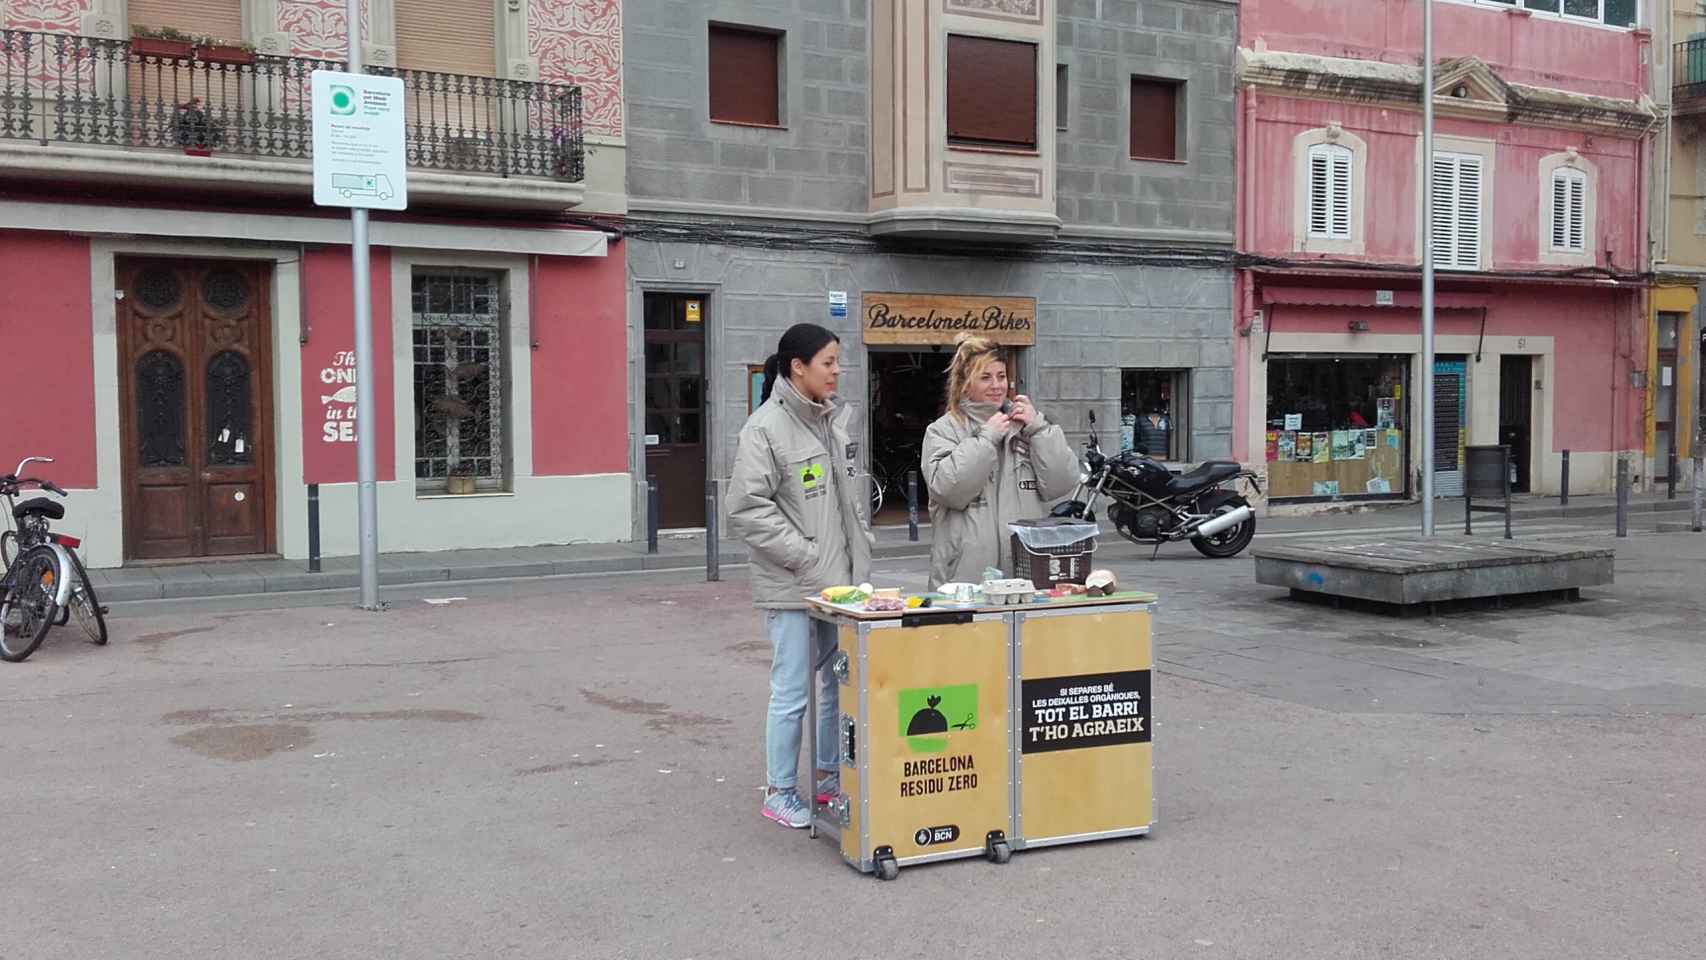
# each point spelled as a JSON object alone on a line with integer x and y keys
{"x": 811, "y": 475}
{"x": 929, "y": 717}
{"x": 343, "y": 101}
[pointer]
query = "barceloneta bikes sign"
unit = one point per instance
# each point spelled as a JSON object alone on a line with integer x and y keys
{"x": 931, "y": 319}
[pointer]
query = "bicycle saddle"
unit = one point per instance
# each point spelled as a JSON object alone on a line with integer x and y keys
{"x": 40, "y": 507}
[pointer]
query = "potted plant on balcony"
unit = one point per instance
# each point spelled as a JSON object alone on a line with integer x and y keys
{"x": 461, "y": 479}
{"x": 165, "y": 43}
{"x": 198, "y": 133}
{"x": 215, "y": 50}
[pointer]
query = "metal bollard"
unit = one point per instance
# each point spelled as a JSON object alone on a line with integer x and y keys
{"x": 652, "y": 499}
{"x": 1670, "y": 481}
{"x": 1622, "y": 497}
{"x": 1699, "y": 494}
{"x": 313, "y": 528}
{"x": 912, "y": 505}
{"x": 713, "y": 546}
{"x": 1564, "y": 482}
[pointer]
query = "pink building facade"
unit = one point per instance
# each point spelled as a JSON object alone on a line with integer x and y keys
{"x": 182, "y": 311}
{"x": 1543, "y": 138}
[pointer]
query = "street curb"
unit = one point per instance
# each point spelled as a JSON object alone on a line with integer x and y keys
{"x": 244, "y": 585}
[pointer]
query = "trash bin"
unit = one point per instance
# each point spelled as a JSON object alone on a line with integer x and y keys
{"x": 1053, "y": 550}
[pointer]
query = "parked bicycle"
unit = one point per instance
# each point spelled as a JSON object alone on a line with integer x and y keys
{"x": 45, "y": 582}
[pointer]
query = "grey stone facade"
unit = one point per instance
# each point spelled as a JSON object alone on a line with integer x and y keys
{"x": 765, "y": 223}
{"x": 1093, "y": 321}
{"x": 1103, "y": 44}
{"x": 818, "y": 163}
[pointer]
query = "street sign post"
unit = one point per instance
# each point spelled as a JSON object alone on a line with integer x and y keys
{"x": 360, "y": 162}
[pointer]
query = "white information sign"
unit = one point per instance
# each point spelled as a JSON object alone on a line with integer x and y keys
{"x": 359, "y": 156}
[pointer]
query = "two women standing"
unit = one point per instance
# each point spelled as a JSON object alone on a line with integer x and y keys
{"x": 797, "y": 501}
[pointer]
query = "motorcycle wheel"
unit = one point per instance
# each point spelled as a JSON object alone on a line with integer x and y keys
{"x": 1227, "y": 543}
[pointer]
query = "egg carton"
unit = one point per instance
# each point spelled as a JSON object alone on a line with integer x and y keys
{"x": 1006, "y": 592}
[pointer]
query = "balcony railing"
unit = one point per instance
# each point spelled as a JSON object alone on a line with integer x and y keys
{"x": 58, "y": 88}
{"x": 1688, "y": 76}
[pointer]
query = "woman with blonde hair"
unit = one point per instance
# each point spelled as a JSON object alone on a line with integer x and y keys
{"x": 989, "y": 460}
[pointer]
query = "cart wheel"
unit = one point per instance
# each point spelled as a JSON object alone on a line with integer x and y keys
{"x": 887, "y": 870}
{"x": 1000, "y": 852}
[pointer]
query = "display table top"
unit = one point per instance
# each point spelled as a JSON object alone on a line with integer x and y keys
{"x": 1124, "y": 598}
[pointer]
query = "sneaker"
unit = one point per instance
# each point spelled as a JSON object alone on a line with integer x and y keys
{"x": 828, "y": 787}
{"x": 785, "y": 807}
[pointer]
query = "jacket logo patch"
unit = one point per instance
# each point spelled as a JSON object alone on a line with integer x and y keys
{"x": 852, "y": 452}
{"x": 811, "y": 480}
{"x": 1027, "y": 485}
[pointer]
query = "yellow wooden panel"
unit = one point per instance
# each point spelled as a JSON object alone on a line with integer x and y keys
{"x": 938, "y": 735}
{"x": 1091, "y": 789}
{"x": 848, "y": 644}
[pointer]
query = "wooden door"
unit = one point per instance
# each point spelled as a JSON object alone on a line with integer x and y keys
{"x": 675, "y": 406}
{"x": 195, "y": 395}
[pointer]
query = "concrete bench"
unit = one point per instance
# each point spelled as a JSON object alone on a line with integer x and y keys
{"x": 1409, "y": 571}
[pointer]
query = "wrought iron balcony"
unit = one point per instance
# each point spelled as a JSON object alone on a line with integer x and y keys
{"x": 1688, "y": 77}
{"x": 142, "y": 94}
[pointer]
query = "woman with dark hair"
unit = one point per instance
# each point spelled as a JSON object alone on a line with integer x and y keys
{"x": 794, "y": 502}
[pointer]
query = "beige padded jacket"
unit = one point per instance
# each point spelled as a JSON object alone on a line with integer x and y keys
{"x": 978, "y": 486}
{"x": 794, "y": 500}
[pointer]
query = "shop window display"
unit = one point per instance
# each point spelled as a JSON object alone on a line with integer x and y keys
{"x": 1336, "y": 427}
{"x": 1152, "y": 404}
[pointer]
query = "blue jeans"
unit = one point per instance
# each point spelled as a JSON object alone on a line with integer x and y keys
{"x": 796, "y": 642}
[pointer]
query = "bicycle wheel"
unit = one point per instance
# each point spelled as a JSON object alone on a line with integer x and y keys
{"x": 28, "y": 609}
{"x": 85, "y": 606}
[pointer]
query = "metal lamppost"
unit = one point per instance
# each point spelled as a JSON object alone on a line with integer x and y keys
{"x": 1427, "y": 268}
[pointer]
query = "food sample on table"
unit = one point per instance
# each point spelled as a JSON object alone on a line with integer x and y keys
{"x": 844, "y": 595}
{"x": 886, "y": 593}
{"x": 1068, "y": 590}
{"x": 885, "y": 605}
{"x": 913, "y": 603}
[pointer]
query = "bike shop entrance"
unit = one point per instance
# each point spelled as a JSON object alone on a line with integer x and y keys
{"x": 910, "y": 339}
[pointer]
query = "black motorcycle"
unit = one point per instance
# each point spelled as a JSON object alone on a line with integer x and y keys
{"x": 1150, "y": 505}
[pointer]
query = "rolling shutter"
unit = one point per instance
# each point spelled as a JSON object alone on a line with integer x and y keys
{"x": 448, "y": 36}
{"x": 220, "y": 19}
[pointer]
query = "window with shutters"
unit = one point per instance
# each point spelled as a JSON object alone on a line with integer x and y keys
{"x": 746, "y": 77}
{"x": 1569, "y": 211}
{"x": 1329, "y": 192}
{"x": 992, "y": 92}
{"x": 1567, "y": 182}
{"x": 1458, "y": 210}
{"x": 1330, "y": 165}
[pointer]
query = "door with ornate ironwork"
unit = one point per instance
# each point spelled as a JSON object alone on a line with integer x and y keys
{"x": 195, "y": 395}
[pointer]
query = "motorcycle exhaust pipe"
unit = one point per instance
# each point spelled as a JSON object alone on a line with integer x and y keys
{"x": 1224, "y": 522}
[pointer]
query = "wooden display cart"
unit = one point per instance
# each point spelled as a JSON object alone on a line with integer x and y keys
{"x": 925, "y": 744}
{"x": 978, "y": 731}
{"x": 1083, "y": 763}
